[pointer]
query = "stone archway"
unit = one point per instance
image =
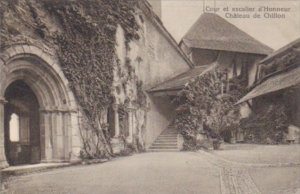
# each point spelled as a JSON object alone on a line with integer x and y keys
{"x": 21, "y": 125}
{"x": 58, "y": 117}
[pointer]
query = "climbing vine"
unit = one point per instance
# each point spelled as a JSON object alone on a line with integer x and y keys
{"x": 207, "y": 108}
{"x": 82, "y": 34}
{"x": 272, "y": 117}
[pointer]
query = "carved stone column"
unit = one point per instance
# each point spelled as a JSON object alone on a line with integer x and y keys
{"x": 116, "y": 117}
{"x": 46, "y": 136}
{"x": 75, "y": 141}
{"x": 115, "y": 142}
{"x": 130, "y": 124}
{"x": 59, "y": 137}
{"x": 129, "y": 138}
{"x": 3, "y": 162}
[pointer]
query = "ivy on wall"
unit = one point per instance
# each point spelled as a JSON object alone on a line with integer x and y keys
{"x": 266, "y": 126}
{"x": 274, "y": 113}
{"x": 82, "y": 35}
{"x": 206, "y": 108}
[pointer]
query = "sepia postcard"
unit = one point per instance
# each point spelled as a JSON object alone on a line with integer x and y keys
{"x": 149, "y": 96}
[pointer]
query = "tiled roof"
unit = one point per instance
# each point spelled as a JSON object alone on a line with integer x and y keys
{"x": 178, "y": 82}
{"x": 278, "y": 82}
{"x": 213, "y": 32}
{"x": 282, "y": 51}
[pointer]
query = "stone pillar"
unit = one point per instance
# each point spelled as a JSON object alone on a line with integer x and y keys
{"x": 115, "y": 142}
{"x": 60, "y": 140}
{"x": 134, "y": 124}
{"x": 75, "y": 136}
{"x": 3, "y": 162}
{"x": 46, "y": 136}
{"x": 53, "y": 121}
{"x": 129, "y": 138}
{"x": 59, "y": 136}
{"x": 67, "y": 131}
{"x": 130, "y": 124}
{"x": 116, "y": 117}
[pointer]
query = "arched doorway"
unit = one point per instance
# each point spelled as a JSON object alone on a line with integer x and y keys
{"x": 37, "y": 105}
{"x": 21, "y": 121}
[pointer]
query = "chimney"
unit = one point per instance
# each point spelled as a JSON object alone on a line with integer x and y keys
{"x": 156, "y": 5}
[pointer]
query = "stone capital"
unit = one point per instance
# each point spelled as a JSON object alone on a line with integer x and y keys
{"x": 115, "y": 107}
{"x": 130, "y": 108}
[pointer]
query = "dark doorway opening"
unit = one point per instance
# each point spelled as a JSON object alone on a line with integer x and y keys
{"x": 21, "y": 122}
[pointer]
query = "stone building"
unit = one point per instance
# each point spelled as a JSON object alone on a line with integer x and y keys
{"x": 278, "y": 83}
{"x": 213, "y": 41}
{"x": 40, "y": 118}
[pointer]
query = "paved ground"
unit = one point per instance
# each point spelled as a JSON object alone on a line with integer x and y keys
{"x": 260, "y": 154}
{"x": 283, "y": 180}
{"x": 160, "y": 173}
{"x": 174, "y": 172}
{"x": 274, "y": 169}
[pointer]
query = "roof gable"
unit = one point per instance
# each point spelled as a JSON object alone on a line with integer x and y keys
{"x": 211, "y": 31}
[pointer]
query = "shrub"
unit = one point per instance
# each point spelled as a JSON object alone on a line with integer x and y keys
{"x": 266, "y": 126}
{"x": 206, "y": 109}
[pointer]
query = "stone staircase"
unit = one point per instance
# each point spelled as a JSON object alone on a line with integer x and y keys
{"x": 167, "y": 141}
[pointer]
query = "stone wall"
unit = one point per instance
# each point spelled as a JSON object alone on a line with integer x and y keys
{"x": 204, "y": 56}
{"x": 140, "y": 65}
{"x": 155, "y": 58}
{"x": 160, "y": 60}
{"x": 161, "y": 113}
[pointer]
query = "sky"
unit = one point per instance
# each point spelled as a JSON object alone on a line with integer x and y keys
{"x": 273, "y": 28}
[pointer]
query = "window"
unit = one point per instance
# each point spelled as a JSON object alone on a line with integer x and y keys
{"x": 14, "y": 128}
{"x": 19, "y": 129}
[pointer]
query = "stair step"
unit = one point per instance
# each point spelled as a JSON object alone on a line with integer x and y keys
{"x": 167, "y": 146}
{"x": 165, "y": 143}
{"x": 152, "y": 148}
{"x": 169, "y": 132}
{"x": 163, "y": 147}
{"x": 167, "y": 138}
{"x": 163, "y": 150}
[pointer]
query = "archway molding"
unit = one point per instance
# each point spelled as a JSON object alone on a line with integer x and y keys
{"x": 58, "y": 108}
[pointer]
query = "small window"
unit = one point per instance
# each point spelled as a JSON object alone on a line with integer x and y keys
{"x": 14, "y": 128}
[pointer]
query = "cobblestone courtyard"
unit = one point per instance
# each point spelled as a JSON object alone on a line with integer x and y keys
{"x": 174, "y": 172}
